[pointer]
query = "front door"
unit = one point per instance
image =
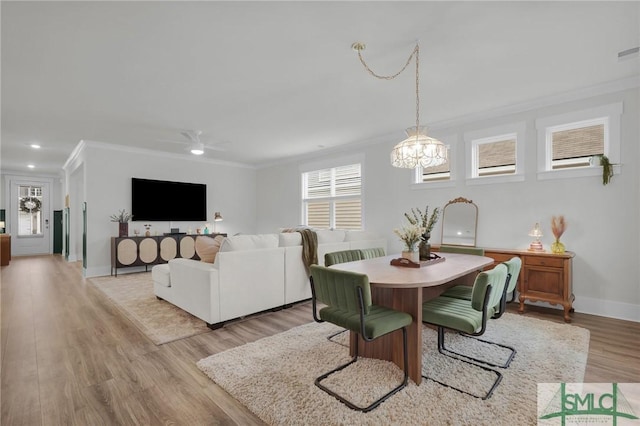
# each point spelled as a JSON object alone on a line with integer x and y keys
{"x": 30, "y": 226}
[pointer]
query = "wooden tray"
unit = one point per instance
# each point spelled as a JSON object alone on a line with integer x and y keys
{"x": 406, "y": 263}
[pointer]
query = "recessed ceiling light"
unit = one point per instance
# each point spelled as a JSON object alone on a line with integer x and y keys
{"x": 31, "y": 166}
{"x": 35, "y": 146}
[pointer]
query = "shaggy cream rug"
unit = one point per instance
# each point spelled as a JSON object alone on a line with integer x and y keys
{"x": 273, "y": 377}
{"x": 159, "y": 320}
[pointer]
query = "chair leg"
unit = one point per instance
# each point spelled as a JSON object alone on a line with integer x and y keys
{"x": 380, "y": 400}
{"x": 331, "y": 336}
{"x": 507, "y": 363}
{"x": 443, "y": 352}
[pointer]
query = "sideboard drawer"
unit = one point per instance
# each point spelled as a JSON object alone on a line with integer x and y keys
{"x": 543, "y": 261}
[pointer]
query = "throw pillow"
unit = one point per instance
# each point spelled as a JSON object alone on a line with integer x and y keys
{"x": 207, "y": 248}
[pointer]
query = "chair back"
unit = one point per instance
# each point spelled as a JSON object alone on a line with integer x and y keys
{"x": 339, "y": 289}
{"x": 494, "y": 279}
{"x": 370, "y": 253}
{"x": 343, "y": 256}
{"x": 477, "y": 251}
{"x": 513, "y": 269}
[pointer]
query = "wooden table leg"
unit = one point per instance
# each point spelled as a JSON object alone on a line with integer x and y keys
{"x": 389, "y": 347}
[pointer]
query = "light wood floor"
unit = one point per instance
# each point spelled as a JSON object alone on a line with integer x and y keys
{"x": 69, "y": 357}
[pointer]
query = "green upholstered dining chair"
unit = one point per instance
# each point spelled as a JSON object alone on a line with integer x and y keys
{"x": 464, "y": 292}
{"x": 370, "y": 253}
{"x": 342, "y": 256}
{"x": 335, "y": 257}
{"x": 347, "y": 296}
{"x": 467, "y": 316}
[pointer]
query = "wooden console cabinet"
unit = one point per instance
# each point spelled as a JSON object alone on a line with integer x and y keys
{"x": 544, "y": 277}
{"x": 5, "y": 249}
{"x": 145, "y": 251}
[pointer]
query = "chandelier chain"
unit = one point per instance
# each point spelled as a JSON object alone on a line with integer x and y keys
{"x": 387, "y": 77}
{"x": 415, "y": 53}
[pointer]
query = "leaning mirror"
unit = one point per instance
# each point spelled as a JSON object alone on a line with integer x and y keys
{"x": 459, "y": 223}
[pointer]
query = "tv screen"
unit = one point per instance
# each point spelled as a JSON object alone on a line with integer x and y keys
{"x": 159, "y": 200}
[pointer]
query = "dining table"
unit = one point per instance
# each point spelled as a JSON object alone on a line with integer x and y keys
{"x": 405, "y": 288}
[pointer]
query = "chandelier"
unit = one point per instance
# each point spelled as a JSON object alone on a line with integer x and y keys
{"x": 418, "y": 149}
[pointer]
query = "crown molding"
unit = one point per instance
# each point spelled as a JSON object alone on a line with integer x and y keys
{"x": 632, "y": 82}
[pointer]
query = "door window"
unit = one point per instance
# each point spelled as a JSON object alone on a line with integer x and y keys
{"x": 30, "y": 211}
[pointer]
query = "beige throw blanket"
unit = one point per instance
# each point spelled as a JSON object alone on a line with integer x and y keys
{"x": 309, "y": 248}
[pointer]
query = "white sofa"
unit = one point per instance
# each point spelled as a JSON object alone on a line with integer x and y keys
{"x": 250, "y": 274}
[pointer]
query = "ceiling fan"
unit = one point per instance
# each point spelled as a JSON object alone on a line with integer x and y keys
{"x": 196, "y": 146}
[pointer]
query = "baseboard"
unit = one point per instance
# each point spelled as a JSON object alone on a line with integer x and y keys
{"x": 608, "y": 308}
{"x": 602, "y": 308}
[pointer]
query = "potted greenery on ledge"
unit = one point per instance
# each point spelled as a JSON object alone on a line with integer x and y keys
{"x": 607, "y": 169}
{"x": 123, "y": 219}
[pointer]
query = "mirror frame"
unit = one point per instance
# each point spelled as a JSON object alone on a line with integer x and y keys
{"x": 444, "y": 221}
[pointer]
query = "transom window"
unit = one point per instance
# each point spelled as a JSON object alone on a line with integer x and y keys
{"x": 494, "y": 155}
{"x": 437, "y": 173}
{"x": 567, "y": 143}
{"x": 573, "y": 144}
{"x": 332, "y": 198}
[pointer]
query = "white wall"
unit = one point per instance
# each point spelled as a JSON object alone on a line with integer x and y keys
{"x": 107, "y": 173}
{"x": 603, "y": 221}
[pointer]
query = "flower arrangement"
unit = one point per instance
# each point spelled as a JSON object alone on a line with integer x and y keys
{"x": 558, "y": 226}
{"x": 410, "y": 235}
{"x": 121, "y": 217}
{"x": 423, "y": 220}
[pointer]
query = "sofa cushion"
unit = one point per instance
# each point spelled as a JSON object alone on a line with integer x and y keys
{"x": 249, "y": 242}
{"x": 207, "y": 247}
{"x": 160, "y": 274}
{"x": 290, "y": 239}
{"x": 328, "y": 236}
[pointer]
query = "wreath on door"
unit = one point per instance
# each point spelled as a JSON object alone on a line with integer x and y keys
{"x": 30, "y": 205}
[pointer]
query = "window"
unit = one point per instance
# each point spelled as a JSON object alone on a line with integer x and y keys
{"x": 29, "y": 211}
{"x": 566, "y": 142}
{"x": 441, "y": 176}
{"x": 332, "y": 197}
{"x": 495, "y": 154}
{"x": 437, "y": 173}
{"x": 572, "y": 145}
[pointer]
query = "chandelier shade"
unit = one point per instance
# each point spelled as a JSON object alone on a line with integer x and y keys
{"x": 418, "y": 150}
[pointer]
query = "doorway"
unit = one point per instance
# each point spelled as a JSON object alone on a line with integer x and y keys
{"x": 29, "y": 215}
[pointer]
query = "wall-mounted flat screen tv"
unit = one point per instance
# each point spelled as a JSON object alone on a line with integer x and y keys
{"x": 159, "y": 200}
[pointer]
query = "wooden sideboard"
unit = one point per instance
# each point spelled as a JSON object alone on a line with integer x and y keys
{"x": 544, "y": 277}
{"x": 144, "y": 251}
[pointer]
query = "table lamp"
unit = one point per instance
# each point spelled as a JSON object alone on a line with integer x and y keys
{"x": 536, "y": 232}
{"x": 217, "y": 217}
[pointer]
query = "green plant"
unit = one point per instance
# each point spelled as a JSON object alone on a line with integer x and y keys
{"x": 607, "y": 169}
{"x": 410, "y": 235}
{"x": 423, "y": 220}
{"x": 121, "y": 217}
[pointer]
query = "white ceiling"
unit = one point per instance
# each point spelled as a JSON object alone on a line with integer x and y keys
{"x": 271, "y": 80}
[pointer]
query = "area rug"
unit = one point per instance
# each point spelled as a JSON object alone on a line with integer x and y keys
{"x": 159, "y": 320}
{"x": 273, "y": 377}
